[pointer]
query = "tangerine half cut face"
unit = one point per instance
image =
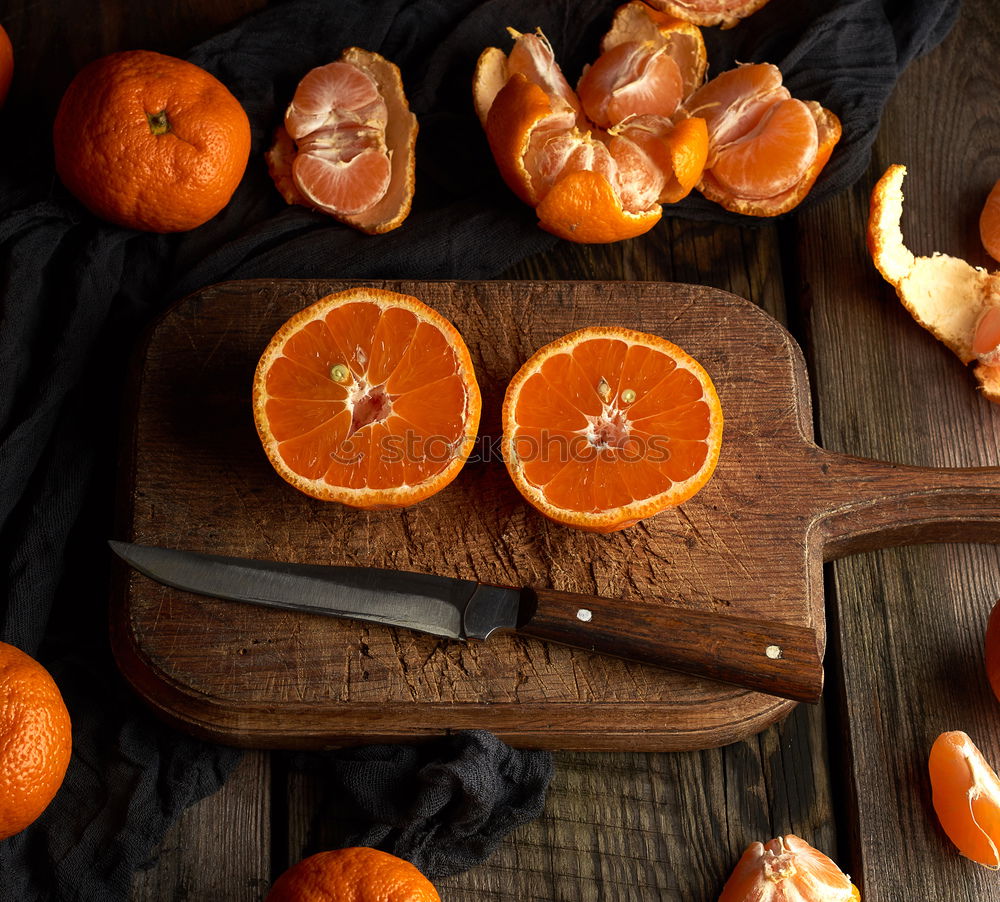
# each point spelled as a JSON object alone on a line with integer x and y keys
{"x": 367, "y": 397}
{"x": 606, "y": 426}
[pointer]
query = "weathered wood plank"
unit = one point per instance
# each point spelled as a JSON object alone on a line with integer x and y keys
{"x": 220, "y": 848}
{"x": 911, "y": 621}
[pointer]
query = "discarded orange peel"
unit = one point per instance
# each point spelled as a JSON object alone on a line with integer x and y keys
{"x": 955, "y": 301}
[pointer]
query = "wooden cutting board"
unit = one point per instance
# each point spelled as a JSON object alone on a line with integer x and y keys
{"x": 752, "y": 542}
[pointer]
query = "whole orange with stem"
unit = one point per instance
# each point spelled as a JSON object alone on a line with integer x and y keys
{"x": 35, "y": 739}
{"x": 6, "y": 64}
{"x": 357, "y": 874}
{"x": 150, "y": 142}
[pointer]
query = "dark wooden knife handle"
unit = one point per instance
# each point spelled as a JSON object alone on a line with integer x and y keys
{"x": 777, "y": 658}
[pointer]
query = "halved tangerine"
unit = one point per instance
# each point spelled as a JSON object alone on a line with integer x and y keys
{"x": 965, "y": 793}
{"x": 955, "y": 301}
{"x": 787, "y": 869}
{"x": 765, "y": 148}
{"x": 347, "y": 144}
{"x": 606, "y": 426}
{"x": 367, "y": 397}
{"x": 726, "y": 13}
{"x": 989, "y": 223}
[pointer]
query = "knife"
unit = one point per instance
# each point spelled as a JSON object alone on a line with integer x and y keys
{"x": 777, "y": 658}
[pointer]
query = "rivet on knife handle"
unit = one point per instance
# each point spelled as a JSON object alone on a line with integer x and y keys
{"x": 777, "y": 658}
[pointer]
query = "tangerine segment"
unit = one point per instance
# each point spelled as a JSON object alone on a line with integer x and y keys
{"x": 989, "y": 223}
{"x": 532, "y": 57}
{"x": 367, "y": 397}
{"x": 950, "y": 298}
{"x": 965, "y": 793}
{"x": 828, "y": 131}
{"x": 765, "y": 149}
{"x": 786, "y": 136}
{"x": 636, "y": 22}
{"x": 787, "y": 869}
{"x": 634, "y": 78}
{"x": 676, "y": 154}
{"x": 606, "y": 426}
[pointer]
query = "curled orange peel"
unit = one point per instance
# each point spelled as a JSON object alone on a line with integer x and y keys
{"x": 946, "y": 295}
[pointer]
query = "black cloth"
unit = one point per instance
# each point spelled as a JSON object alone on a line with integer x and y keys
{"x": 444, "y": 805}
{"x": 75, "y": 292}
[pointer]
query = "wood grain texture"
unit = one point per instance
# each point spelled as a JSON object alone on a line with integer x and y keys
{"x": 220, "y": 847}
{"x": 910, "y": 622}
{"x": 198, "y": 478}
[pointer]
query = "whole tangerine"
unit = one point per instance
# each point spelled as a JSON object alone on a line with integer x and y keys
{"x": 357, "y": 874}
{"x": 35, "y": 739}
{"x": 6, "y": 64}
{"x": 150, "y": 142}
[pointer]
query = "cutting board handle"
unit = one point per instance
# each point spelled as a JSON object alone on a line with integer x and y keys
{"x": 868, "y": 504}
{"x": 778, "y": 658}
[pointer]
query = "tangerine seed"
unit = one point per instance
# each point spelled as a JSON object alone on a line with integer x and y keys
{"x": 339, "y": 373}
{"x": 628, "y": 396}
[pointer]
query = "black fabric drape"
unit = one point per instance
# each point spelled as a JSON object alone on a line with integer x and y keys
{"x": 75, "y": 292}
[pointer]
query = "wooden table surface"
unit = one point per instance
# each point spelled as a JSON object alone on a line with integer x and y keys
{"x": 906, "y": 625}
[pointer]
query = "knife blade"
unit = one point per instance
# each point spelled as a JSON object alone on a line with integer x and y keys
{"x": 767, "y": 656}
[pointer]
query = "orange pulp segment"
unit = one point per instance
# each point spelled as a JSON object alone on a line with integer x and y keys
{"x": 633, "y": 78}
{"x": 965, "y": 793}
{"x": 766, "y": 149}
{"x": 367, "y": 397}
{"x": 606, "y": 426}
{"x": 787, "y": 869}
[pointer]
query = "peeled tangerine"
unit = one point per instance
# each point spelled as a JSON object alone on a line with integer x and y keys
{"x": 787, "y": 869}
{"x": 347, "y": 144}
{"x": 965, "y": 793}
{"x": 765, "y": 148}
{"x": 596, "y": 163}
{"x": 726, "y": 13}
{"x": 956, "y": 302}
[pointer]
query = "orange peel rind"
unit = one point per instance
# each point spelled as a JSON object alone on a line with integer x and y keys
{"x": 583, "y": 207}
{"x": 946, "y": 295}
